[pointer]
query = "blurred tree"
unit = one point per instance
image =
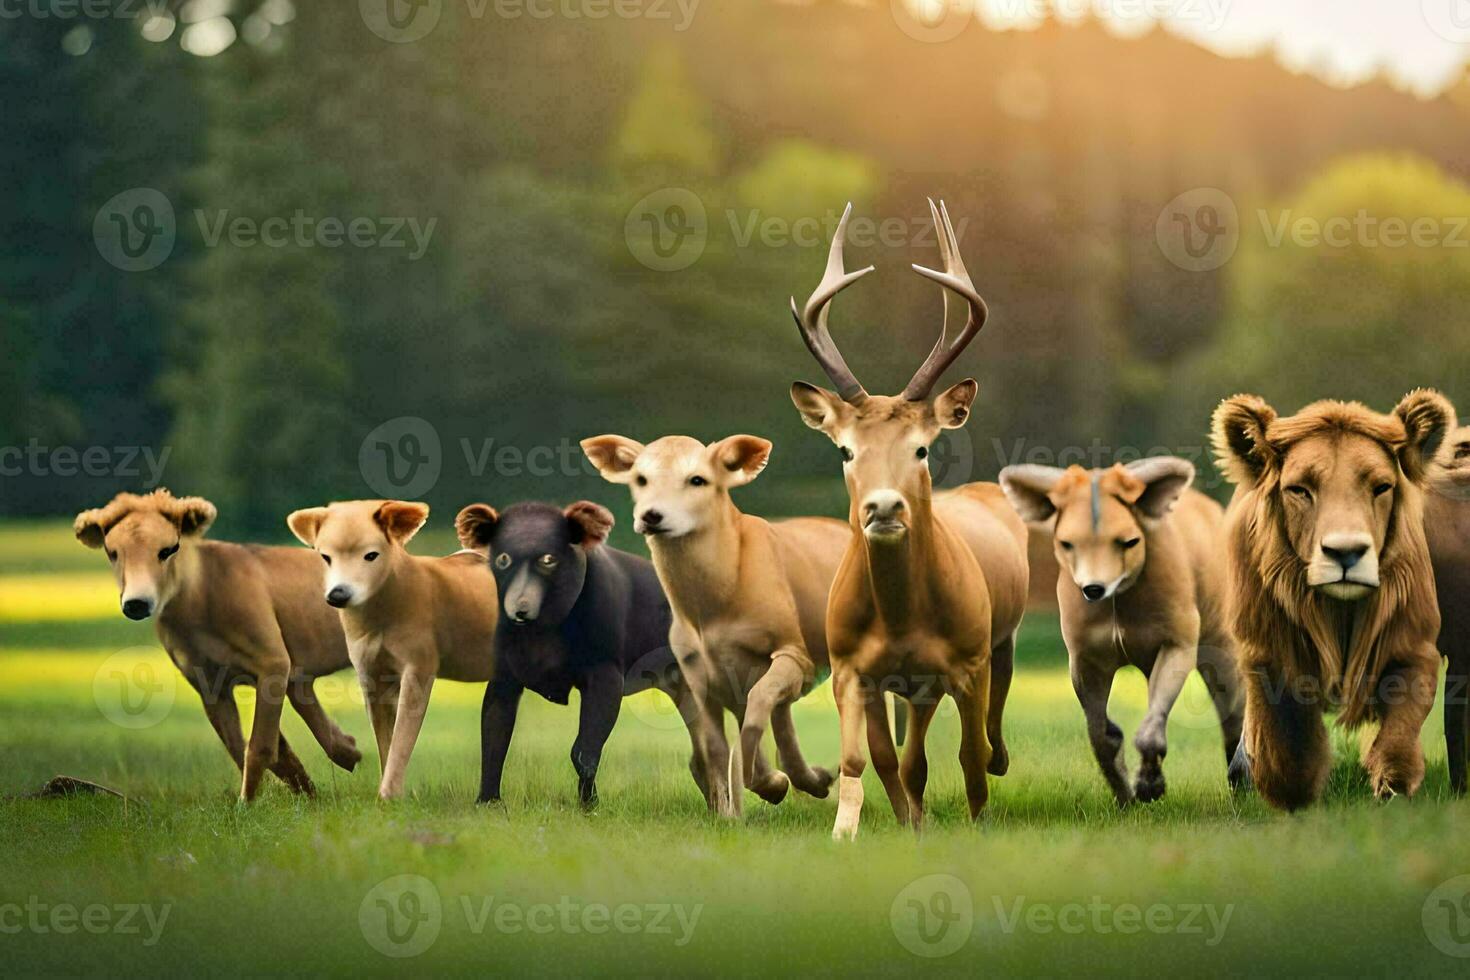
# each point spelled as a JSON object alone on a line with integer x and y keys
{"x": 666, "y": 124}
{"x": 92, "y": 110}
{"x": 1355, "y": 287}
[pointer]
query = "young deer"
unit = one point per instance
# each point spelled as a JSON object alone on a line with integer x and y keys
{"x": 1142, "y": 582}
{"x": 932, "y": 587}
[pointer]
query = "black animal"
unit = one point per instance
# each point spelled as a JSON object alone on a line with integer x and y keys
{"x": 575, "y": 613}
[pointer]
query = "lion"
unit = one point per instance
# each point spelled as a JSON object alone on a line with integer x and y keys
{"x": 1331, "y": 592}
{"x": 1447, "y": 523}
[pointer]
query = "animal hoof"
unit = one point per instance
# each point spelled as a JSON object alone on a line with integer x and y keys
{"x": 1149, "y": 787}
{"x": 818, "y": 782}
{"x": 775, "y": 789}
{"x": 346, "y": 756}
{"x": 1000, "y": 760}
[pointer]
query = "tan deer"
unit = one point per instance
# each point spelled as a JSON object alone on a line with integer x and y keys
{"x": 749, "y": 597}
{"x": 932, "y": 587}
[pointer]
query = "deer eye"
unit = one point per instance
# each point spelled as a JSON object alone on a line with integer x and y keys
{"x": 111, "y": 555}
{"x": 327, "y": 559}
{"x": 641, "y": 480}
{"x": 922, "y": 452}
{"x": 165, "y": 554}
{"x": 697, "y": 481}
{"x": 846, "y": 454}
{"x": 502, "y": 561}
{"x": 1066, "y": 545}
{"x": 370, "y": 556}
{"x": 1130, "y": 544}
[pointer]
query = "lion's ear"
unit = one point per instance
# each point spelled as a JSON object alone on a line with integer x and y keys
{"x": 1239, "y": 434}
{"x": 1428, "y": 417}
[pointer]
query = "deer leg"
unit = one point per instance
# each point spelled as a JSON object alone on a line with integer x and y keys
{"x": 847, "y": 687}
{"x": 1093, "y": 684}
{"x": 217, "y": 693}
{"x": 380, "y": 695}
{"x": 1002, "y": 667}
{"x": 677, "y": 688}
{"x": 811, "y": 780}
{"x": 340, "y": 747}
{"x": 885, "y": 757}
{"x": 415, "y": 686}
{"x": 780, "y": 684}
{"x": 1217, "y": 668}
{"x": 913, "y": 770}
{"x": 974, "y": 704}
{"x": 1171, "y": 668}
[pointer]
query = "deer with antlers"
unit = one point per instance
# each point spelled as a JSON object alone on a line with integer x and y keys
{"x": 932, "y": 587}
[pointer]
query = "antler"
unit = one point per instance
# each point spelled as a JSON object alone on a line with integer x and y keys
{"x": 812, "y": 319}
{"x": 954, "y": 278}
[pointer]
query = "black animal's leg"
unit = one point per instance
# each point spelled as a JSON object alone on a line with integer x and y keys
{"x": 602, "y": 697}
{"x": 497, "y": 724}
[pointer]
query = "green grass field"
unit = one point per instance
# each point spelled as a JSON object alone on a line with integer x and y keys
{"x": 180, "y": 878}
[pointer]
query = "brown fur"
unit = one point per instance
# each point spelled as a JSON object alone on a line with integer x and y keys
{"x": 749, "y": 597}
{"x": 229, "y": 614}
{"x": 925, "y": 604}
{"x": 409, "y": 619}
{"x": 1372, "y": 657}
{"x": 1141, "y": 583}
{"x": 1447, "y": 524}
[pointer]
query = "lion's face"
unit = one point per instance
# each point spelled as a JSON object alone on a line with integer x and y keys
{"x": 1337, "y": 495}
{"x": 1330, "y": 479}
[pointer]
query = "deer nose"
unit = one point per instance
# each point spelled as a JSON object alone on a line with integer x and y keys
{"x": 1345, "y": 549}
{"x": 651, "y": 518}
{"x": 339, "y": 596}
{"x": 881, "y": 506}
{"x": 137, "y": 608}
{"x": 1094, "y": 592}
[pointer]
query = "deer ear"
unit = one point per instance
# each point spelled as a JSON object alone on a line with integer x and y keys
{"x": 952, "y": 407}
{"x": 740, "y": 459}
{"x": 1029, "y": 488}
{"x": 88, "y": 528}
{"x": 474, "y": 525}
{"x": 1164, "y": 480}
{"x": 1239, "y": 434}
{"x": 613, "y": 456}
{"x": 1428, "y": 417}
{"x": 401, "y": 519}
{"x": 820, "y": 409}
{"x": 590, "y": 523}
{"x": 306, "y": 524}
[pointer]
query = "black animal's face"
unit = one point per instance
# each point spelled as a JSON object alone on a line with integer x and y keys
{"x": 538, "y": 555}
